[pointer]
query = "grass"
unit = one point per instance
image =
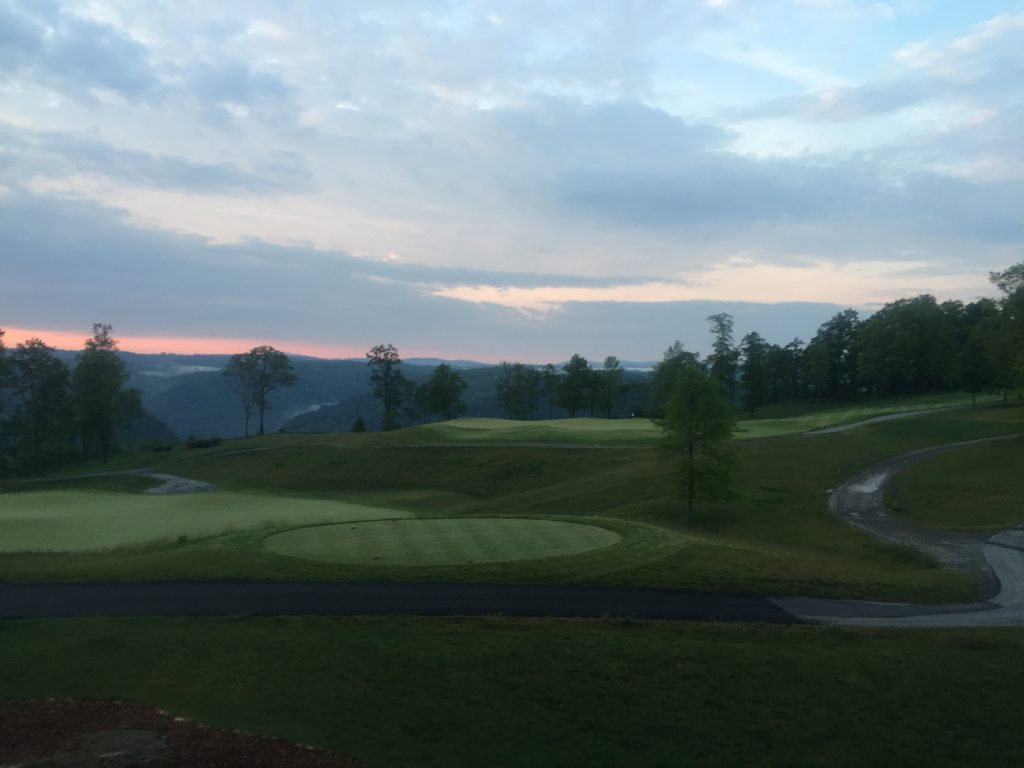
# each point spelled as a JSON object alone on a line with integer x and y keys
{"x": 77, "y": 521}
{"x": 643, "y": 431}
{"x": 467, "y": 540}
{"x": 978, "y": 488}
{"x": 559, "y": 694}
{"x": 120, "y": 483}
{"x": 776, "y": 536}
{"x": 499, "y": 692}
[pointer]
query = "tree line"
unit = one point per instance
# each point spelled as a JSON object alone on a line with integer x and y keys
{"x": 50, "y": 412}
{"x": 910, "y": 346}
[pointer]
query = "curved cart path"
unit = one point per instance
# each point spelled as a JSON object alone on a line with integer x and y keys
{"x": 174, "y": 484}
{"x": 998, "y": 560}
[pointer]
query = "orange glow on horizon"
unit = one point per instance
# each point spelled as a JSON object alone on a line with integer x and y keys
{"x": 179, "y": 345}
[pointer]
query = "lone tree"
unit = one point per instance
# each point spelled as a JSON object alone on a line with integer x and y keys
{"x": 102, "y": 403}
{"x": 259, "y": 371}
{"x": 698, "y": 421}
{"x": 387, "y": 381}
{"x": 442, "y": 393}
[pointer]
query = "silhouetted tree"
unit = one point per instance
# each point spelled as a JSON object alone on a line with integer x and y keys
{"x": 387, "y": 381}
{"x": 612, "y": 386}
{"x": 835, "y": 342}
{"x": 974, "y": 367}
{"x": 102, "y": 403}
{"x": 724, "y": 358}
{"x": 442, "y": 393}
{"x": 549, "y": 383}
{"x": 575, "y": 386}
{"x": 260, "y": 371}
{"x": 754, "y": 371}
{"x": 42, "y": 420}
{"x": 1005, "y": 333}
{"x": 517, "y": 390}
{"x": 785, "y": 372}
{"x": 675, "y": 359}
{"x": 906, "y": 347}
{"x": 4, "y": 375}
{"x": 414, "y": 403}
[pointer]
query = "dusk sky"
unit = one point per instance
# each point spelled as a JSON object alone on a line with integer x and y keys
{"x": 506, "y": 180}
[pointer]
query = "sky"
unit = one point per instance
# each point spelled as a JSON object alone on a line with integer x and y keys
{"x": 498, "y": 180}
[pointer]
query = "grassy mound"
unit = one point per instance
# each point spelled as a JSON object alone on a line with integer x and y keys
{"x": 979, "y": 488}
{"x": 440, "y": 541}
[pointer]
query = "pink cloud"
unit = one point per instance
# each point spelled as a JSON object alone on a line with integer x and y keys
{"x": 183, "y": 345}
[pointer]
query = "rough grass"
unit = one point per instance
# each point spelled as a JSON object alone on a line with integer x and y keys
{"x": 978, "y": 488}
{"x": 776, "y": 536}
{"x": 76, "y": 521}
{"x": 121, "y": 483}
{"x": 559, "y": 694}
{"x": 440, "y": 541}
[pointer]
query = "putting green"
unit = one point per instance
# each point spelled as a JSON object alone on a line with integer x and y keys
{"x": 75, "y": 521}
{"x": 447, "y": 541}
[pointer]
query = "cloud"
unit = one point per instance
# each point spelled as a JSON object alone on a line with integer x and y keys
{"x": 89, "y": 266}
{"x": 57, "y": 153}
{"x": 976, "y": 66}
{"x": 76, "y": 56}
{"x": 236, "y": 88}
{"x": 845, "y": 104}
{"x": 561, "y": 155}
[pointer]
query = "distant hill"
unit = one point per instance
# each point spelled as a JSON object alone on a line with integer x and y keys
{"x": 187, "y": 395}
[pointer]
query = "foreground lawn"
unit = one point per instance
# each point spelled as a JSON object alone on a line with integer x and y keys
{"x": 408, "y": 692}
{"x": 979, "y": 488}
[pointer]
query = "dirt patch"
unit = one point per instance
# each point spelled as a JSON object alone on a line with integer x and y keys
{"x": 65, "y": 733}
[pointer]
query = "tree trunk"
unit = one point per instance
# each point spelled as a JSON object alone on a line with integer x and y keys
{"x": 689, "y": 480}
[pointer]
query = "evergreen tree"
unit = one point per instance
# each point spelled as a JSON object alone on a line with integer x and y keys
{"x": 754, "y": 371}
{"x": 102, "y": 403}
{"x": 722, "y": 364}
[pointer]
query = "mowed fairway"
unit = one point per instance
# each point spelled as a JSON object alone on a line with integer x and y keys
{"x": 440, "y": 541}
{"x": 79, "y": 521}
{"x": 611, "y": 432}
